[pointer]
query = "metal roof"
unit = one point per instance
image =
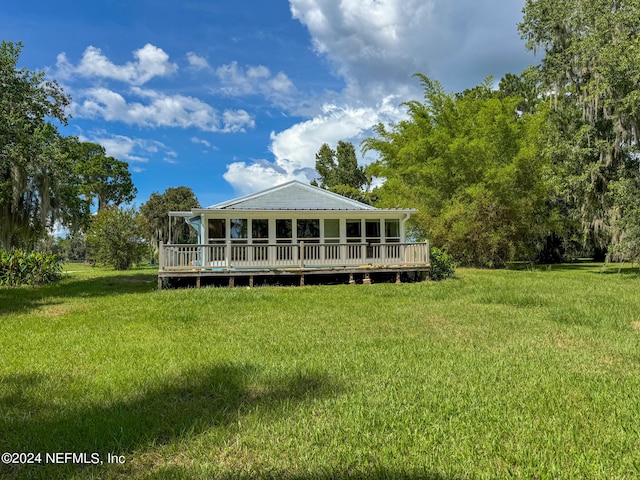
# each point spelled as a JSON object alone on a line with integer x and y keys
{"x": 292, "y": 195}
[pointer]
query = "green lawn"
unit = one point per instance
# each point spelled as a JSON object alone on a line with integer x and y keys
{"x": 529, "y": 374}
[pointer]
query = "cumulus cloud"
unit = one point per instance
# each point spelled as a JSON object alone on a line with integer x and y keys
{"x": 160, "y": 110}
{"x": 197, "y": 62}
{"x": 255, "y": 80}
{"x": 376, "y": 45}
{"x": 150, "y": 61}
{"x": 294, "y": 149}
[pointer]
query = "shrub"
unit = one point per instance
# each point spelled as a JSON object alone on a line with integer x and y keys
{"x": 28, "y": 268}
{"x": 116, "y": 238}
{"x": 442, "y": 264}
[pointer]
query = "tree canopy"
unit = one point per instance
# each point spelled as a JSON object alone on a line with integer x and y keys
{"x": 339, "y": 171}
{"x": 116, "y": 238}
{"x": 103, "y": 178}
{"x": 37, "y": 186}
{"x": 591, "y": 74}
{"x": 156, "y": 219}
{"x": 470, "y": 164}
{"x": 46, "y": 178}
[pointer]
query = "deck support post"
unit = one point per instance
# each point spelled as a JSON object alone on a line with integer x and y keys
{"x": 302, "y": 279}
{"x": 159, "y": 283}
{"x": 250, "y": 281}
{"x": 366, "y": 279}
{"x": 351, "y": 280}
{"x": 398, "y": 280}
{"x": 198, "y": 281}
{"x": 232, "y": 282}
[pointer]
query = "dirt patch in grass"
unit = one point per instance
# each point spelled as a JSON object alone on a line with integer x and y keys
{"x": 635, "y": 325}
{"x": 52, "y": 311}
{"x": 141, "y": 278}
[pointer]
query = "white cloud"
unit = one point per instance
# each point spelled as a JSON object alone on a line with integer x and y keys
{"x": 201, "y": 141}
{"x": 128, "y": 149}
{"x": 255, "y": 80}
{"x": 160, "y": 110}
{"x": 150, "y": 61}
{"x": 197, "y": 62}
{"x": 294, "y": 149}
{"x": 376, "y": 45}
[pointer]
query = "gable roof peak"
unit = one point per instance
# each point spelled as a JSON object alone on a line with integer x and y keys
{"x": 292, "y": 195}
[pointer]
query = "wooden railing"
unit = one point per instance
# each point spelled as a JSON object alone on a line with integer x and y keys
{"x": 228, "y": 256}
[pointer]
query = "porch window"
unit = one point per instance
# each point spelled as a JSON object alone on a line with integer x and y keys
{"x": 308, "y": 230}
{"x": 332, "y": 230}
{"x": 354, "y": 231}
{"x": 372, "y": 232}
{"x": 238, "y": 232}
{"x": 284, "y": 231}
{"x": 217, "y": 236}
{"x": 260, "y": 230}
{"x": 260, "y": 236}
{"x": 372, "y": 229}
{"x": 217, "y": 230}
{"x": 392, "y": 231}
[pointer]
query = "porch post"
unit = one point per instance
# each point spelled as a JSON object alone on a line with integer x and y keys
{"x": 161, "y": 256}
{"x": 301, "y": 253}
{"x": 228, "y": 254}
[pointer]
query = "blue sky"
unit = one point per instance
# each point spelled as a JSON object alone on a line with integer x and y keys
{"x": 233, "y": 97}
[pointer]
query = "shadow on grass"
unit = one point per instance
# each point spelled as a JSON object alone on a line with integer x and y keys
{"x": 583, "y": 265}
{"x": 214, "y": 397}
{"x": 178, "y": 473}
{"x": 27, "y": 298}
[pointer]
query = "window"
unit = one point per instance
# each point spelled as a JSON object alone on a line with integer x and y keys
{"x": 308, "y": 230}
{"x": 354, "y": 231}
{"x": 284, "y": 230}
{"x": 372, "y": 229}
{"x": 332, "y": 230}
{"x": 217, "y": 236}
{"x": 260, "y": 236}
{"x": 238, "y": 228}
{"x": 217, "y": 230}
{"x": 392, "y": 230}
{"x": 260, "y": 230}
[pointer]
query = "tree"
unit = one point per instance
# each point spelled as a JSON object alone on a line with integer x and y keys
{"x": 591, "y": 72}
{"x": 339, "y": 171}
{"x": 470, "y": 163}
{"x": 37, "y": 185}
{"x": 116, "y": 238}
{"x": 626, "y": 227}
{"x": 103, "y": 178}
{"x": 156, "y": 219}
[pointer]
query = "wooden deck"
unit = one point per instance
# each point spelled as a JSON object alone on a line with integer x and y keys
{"x": 241, "y": 263}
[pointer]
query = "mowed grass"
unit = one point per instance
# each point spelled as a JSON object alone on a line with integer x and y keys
{"x": 495, "y": 374}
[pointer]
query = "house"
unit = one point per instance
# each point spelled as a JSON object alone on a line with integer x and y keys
{"x": 297, "y": 230}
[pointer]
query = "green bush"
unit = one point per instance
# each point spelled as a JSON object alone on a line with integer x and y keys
{"x": 18, "y": 267}
{"x": 116, "y": 238}
{"x": 442, "y": 264}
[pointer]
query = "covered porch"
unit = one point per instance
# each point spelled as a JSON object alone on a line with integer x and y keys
{"x": 293, "y": 229}
{"x": 355, "y": 261}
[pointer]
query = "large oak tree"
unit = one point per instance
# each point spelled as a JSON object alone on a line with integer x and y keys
{"x": 37, "y": 185}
